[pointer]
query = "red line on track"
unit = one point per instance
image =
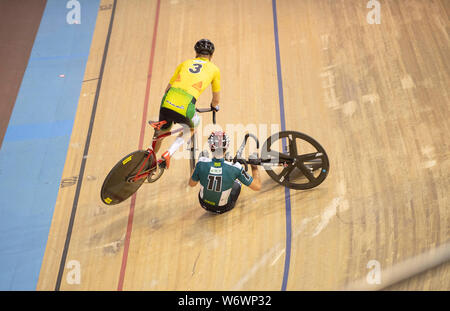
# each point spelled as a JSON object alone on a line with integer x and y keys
{"x": 141, "y": 142}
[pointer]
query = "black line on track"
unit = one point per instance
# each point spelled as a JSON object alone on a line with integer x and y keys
{"x": 86, "y": 149}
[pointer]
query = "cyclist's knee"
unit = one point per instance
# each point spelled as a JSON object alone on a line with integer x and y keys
{"x": 195, "y": 120}
{"x": 235, "y": 191}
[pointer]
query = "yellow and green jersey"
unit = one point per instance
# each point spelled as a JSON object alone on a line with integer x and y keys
{"x": 194, "y": 75}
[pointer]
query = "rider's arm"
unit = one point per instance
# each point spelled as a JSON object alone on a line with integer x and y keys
{"x": 215, "y": 99}
{"x": 256, "y": 183}
{"x": 215, "y": 86}
{"x": 192, "y": 182}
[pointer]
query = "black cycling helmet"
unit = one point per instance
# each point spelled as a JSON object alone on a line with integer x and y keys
{"x": 204, "y": 47}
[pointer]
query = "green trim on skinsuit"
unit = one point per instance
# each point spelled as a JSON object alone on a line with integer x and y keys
{"x": 163, "y": 99}
{"x": 190, "y": 111}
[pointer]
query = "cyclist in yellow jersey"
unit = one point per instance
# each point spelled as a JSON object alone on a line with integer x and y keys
{"x": 190, "y": 79}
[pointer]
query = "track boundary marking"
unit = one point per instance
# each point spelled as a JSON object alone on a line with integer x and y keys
{"x": 85, "y": 152}
{"x": 141, "y": 142}
{"x": 287, "y": 194}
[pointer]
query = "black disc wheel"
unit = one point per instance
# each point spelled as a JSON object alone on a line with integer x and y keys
{"x": 120, "y": 183}
{"x": 295, "y": 160}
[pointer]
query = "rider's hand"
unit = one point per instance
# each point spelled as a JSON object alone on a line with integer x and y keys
{"x": 215, "y": 108}
{"x": 253, "y": 156}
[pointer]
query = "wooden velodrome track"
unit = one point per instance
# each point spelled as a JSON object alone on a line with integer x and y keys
{"x": 375, "y": 96}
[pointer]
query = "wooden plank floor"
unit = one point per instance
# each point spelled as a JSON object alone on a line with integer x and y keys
{"x": 375, "y": 96}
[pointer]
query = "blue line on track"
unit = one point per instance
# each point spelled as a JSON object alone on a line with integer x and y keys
{"x": 287, "y": 196}
{"x": 34, "y": 149}
{"x": 34, "y": 131}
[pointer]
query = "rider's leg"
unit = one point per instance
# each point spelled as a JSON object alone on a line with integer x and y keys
{"x": 164, "y": 115}
{"x": 182, "y": 137}
{"x": 235, "y": 191}
{"x": 177, "y": 106}
{"x": 179, "y": 141}
{"x": 156, "y": 144}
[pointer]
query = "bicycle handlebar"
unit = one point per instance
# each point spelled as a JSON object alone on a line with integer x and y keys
{"x": 202, "y": 110}
{"x": 238, "y": 157}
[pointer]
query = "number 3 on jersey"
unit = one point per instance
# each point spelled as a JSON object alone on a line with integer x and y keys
{"x": 197, "y": 68}
{"x": 215, "y": 182}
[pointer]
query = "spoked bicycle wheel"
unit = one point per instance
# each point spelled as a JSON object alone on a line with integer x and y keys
{"x": 119, "y": 185}
{"x": 295, "y": 160}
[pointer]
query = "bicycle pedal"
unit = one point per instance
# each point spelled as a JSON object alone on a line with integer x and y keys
{"x": 162, "y": 164}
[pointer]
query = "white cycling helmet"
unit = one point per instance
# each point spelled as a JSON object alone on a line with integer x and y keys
{"x": 218, "y": 141}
